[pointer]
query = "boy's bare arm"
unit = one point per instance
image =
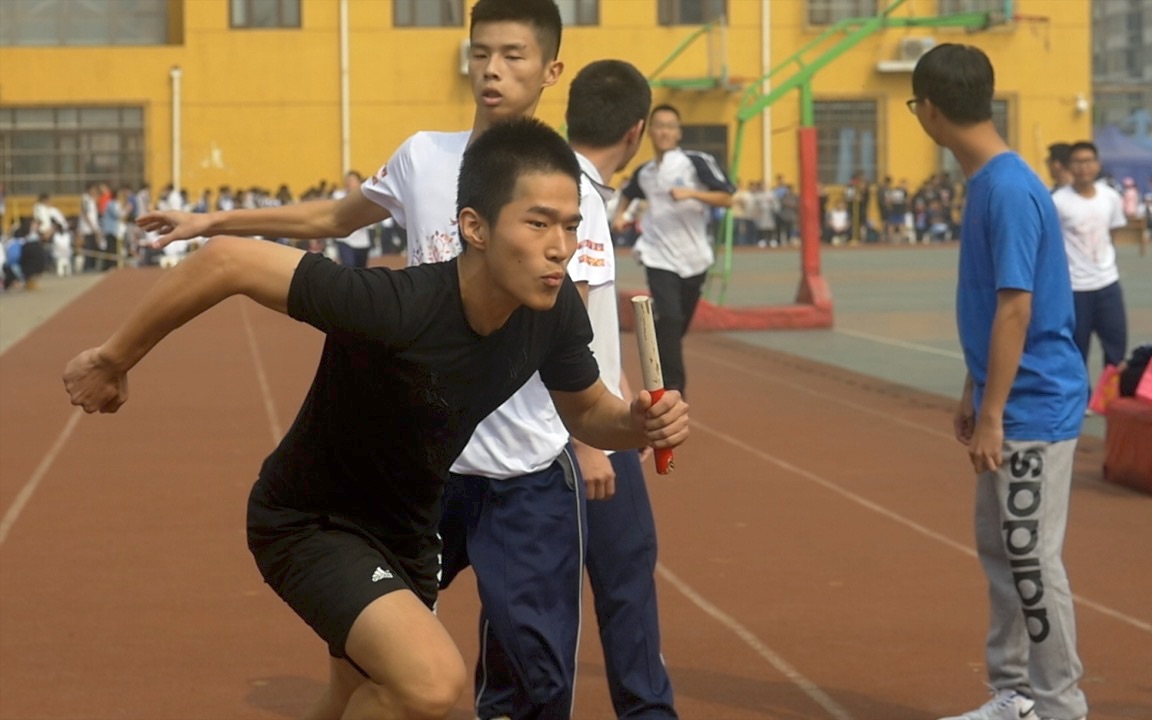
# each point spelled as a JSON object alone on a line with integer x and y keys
{"x": 1009, "y": 329}
{"x": 602, "y": 420}
{"x": 715, "y": 198}
{"x": 303, "y": 220}
{"x": 96, "y": 379}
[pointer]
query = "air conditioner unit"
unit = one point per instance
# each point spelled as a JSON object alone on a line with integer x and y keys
{"x": 911, "y": 48}
{"x": 465, "y": 55}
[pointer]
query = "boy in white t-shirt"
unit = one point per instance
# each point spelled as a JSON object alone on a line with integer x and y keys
{"x": 518, "y": 459}
{"x": 61, "y": 248}
{"x": 1089, "y": 211}
{"x": 608, "y": 105}
{"x": 683, "y": 188}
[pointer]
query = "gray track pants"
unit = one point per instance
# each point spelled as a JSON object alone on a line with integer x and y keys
{"x": 1021, "y": 514}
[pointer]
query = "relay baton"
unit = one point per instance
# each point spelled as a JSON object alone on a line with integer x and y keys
{"x": 650, "y": 367}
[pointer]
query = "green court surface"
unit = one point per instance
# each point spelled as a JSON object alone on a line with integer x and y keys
{"x": 894, "y": 310}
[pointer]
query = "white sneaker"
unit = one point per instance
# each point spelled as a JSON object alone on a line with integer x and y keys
{"x": 1004, "y": 705}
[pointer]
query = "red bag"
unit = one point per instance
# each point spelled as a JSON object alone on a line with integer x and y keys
{"x": 1107, "y": 389}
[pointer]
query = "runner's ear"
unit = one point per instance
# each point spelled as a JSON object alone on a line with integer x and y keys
{"x": 473, "y": 229}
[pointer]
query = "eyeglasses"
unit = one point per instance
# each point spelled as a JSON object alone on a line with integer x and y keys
{"x": 912, "y": 103}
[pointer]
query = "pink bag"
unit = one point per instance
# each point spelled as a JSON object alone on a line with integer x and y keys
{"x": 1144, "y": 389}
{"x": 1108, "y": 389}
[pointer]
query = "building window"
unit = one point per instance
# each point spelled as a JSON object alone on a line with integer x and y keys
{"x": 428, "y": 13}
{"x": 61, "y": 150}
{"x": 579, "y": 12}
{"x": 1126, "y": 108}
{"x": 691, "y": 12}
{"x": 1001, "y": 119}
{"x": 846, "y": 132}
{"x": 1120, "y": 54}
{"x": 830, "y": 12}
{"x": 711, "y": 139}
{"x": 265, "y": 13}
{"x": 955, "y": 7}
{"x": 70, "y": 23}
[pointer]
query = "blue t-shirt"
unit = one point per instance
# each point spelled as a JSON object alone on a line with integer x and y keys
{"x": 1011, "y": 239}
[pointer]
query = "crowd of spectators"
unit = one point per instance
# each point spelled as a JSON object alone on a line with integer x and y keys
{"x": 103, "y": 233}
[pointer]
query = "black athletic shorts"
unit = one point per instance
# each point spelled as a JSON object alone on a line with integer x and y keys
{"x": 328, "y": 569}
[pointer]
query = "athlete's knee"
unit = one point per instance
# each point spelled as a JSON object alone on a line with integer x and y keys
{"x": 427, "y": 698}
{"x": 432, "y": 697}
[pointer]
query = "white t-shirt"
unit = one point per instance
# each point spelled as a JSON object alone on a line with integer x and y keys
{"x": 41, "y": 218}
{"x": 89, "y": 223}
{"x": 838, "y": 219}
{"x": 676, "y": 231}
{"x": 418, "y": 187}
{"x": 62, "y": 246}
{"x": 1087, "y": 225}
{"x": 595, "y": 263}
{"x": 43, "y": 215}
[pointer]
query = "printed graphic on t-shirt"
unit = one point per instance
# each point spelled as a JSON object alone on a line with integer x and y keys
{"x": 436, "y": 247}
{"x": 590, "y": 252}
{"x": 418, "y": 188}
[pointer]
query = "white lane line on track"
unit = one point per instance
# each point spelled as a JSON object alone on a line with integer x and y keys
{"x": 262, "y": 378}
{"x": 903, "y": 344}
{"x": 900, "y": 519}
{"x": 809, "y": 688}
{"x": 25, "y": 493}
{"x": 825, "y": 396}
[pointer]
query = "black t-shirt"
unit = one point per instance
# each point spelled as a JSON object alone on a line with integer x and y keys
{"x": 402, "y": 383}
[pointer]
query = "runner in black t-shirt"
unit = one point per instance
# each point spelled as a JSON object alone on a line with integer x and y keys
{"x": 342, "y": 519}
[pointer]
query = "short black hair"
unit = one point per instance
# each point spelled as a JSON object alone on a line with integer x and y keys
{"x": 1083, "y": 145}
{"x": 542, "y": 15}
{"x": 664, "y": 108}
{"x": 1059, "y": 152}
{"x": 957, "y": 79}
{"x": 495, "y": 161}
{"x": 606, "y": 99}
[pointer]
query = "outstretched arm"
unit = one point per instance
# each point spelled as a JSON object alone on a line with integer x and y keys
{"x": 600, "y": 419}
{"x": 309, "y": 219}
{"x": 715, "y": 198}
{"x": 97, "y": 378}
{"x": 718, "y": 189}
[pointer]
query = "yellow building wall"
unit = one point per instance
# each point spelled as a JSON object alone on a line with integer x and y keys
{"x": 1041, "y": 64}
{"x": 630, "y": 32}
{"x": 261, "y": 107}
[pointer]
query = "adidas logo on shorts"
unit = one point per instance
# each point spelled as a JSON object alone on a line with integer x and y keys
{"x": 380, "y": 574}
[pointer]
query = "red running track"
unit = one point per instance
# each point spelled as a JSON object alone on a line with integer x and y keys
{"x": 816, "y": 544}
